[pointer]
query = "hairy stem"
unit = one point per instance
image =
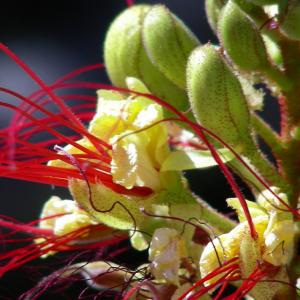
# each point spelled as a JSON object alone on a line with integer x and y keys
{"x": 214, "y": 218}
{"x": 270, "y": 137}
{"x": 263, "y": 166}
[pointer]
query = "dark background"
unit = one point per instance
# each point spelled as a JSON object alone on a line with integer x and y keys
{"x": 54, "y": 38}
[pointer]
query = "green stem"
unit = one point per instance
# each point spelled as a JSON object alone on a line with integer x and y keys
{"x": 214, "y": 218}
{"x": 291, "y": 55}
{"x": 193, "y": 206}
{"x": 263, "y": 166}
{"x": 290, "y": 102}
{"x": 248, "y": 178}
{"x": 270, "y": 137}
{"x": 278, "y": 77}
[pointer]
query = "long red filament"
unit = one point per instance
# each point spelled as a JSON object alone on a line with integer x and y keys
{"x": 68, "y": 112}
{"x": 60, "y": 80}
{"x": 48, "y": 90}
{"x": 61, "y": 243}
{"x": 129, "y": 3}
{"x": 83, "y": 131}
{"x": 225, "y": 268}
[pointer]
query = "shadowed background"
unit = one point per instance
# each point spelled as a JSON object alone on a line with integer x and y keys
{"x": 54, "y": 38}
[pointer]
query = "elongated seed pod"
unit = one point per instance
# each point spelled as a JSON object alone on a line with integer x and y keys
{"x": 216, "y": 96}
{"x": 241, "y": 39}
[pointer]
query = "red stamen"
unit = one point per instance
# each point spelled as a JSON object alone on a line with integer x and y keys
{"x": 26, "y": 228}
{"x": 129, "y": 3}
{"x": 260, "y": 272}
{"x": 23, "y": 255}
{"x": 65, "y": 109}
{"x": 62, "y": 121}
{"x": 47, "y": 90}
{"x": 66, "y": 77}
{"x": 221, "y": 291}
{"x": 229, "y": 276}
{"x": 230, "y": 265}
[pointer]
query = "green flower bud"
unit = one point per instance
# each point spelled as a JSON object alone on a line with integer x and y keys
{"x": 290, "y": 20}
{"x": 123, "y": 44}
{"x": 168, "y": 43}
{"x": 153, "y": 45}
{"x": 216, "y": 96}
{"x": 241, "y": 39}
{"x": 213, "y": 9}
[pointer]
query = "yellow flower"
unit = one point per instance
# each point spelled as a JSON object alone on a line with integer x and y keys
{"x": 165, "y": 253}
{"x": 127, "y": 124}
{"x": 115, "y": 190}
{"x": 64, "y": 216}
{"x": 273, "y": 246}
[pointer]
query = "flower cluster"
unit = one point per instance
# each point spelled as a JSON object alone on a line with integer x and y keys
{"x": 174, "y": 105}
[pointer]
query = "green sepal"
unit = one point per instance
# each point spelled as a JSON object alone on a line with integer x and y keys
{"x": 168, "y": 197}
{"x": 181, "y": 160}
{"x": 254, "y": 209}
{"x": 112, "y": 209}
{"x": 241, "y": 39}
{"x": 159, "y": 85}
{"x": 120, "y": 211}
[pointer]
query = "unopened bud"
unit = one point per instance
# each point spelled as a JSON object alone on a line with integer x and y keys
{"x": 216, "y": 96}
{"x": 241, "y": 39}
{"x": 153, "y": 45}
{"x": 290, "y": 20}
{"x": 168, "y": 43}
{"x": 213, "y": 9}
{"x": 123, "y": 43}
{"x": 165, "y": 254}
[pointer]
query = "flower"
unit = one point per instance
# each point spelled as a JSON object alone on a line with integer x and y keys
{"x": 70, "y": 216}
{"x": 165, "y": 253}
{"x": 271, "y": 251}
{"x": 138, "y": 142}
